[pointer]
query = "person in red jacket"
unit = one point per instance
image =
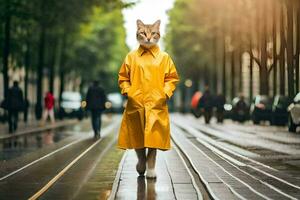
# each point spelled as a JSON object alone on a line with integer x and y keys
{"x": 49, "y": 107}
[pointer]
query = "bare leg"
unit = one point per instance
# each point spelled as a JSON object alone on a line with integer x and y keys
{"x": 45, "y": 117}
{"x": 151, "y": 159}
{"x": 141, "y": 165}
{"x": 51, "y": 114}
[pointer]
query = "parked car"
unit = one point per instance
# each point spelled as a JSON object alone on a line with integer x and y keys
{"x": 240, "y": 109}
{"x": 114, "y": 103}
{"x": 279, "y": 110}
{"x": 71, "y": 105}
{"x": 261, "y": 109}
{"x": 294, "y": 114}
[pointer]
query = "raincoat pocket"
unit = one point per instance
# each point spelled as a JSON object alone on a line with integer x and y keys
{"x": 134, "y": 98}
{"x": 160, "y": 99}
{"x": 135, "y": 127}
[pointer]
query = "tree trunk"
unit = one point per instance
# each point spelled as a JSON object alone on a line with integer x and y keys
{"x": 232, "y": 74}
{"x": 290, "y": 49}
{"x": 215, "y": 63}
{"x": 274, "y": 37}
{"x": 52, "y": 67}
{"x": 224, "y": 67}
{"x": 297, "y": 48}
{"x": 6, "y": 47}
{"x": 264, "y": 83}
{"x": 62, "y": 66}
{"x": 282, "y": 53}
{"x": 240, "y": 62}
{"x": 195, "y": 79}
{"x": 27, "y": 64}
{"x": 39, "y": 91}
{"x": 207, "y": 79}
{"x": 251, "y": 72}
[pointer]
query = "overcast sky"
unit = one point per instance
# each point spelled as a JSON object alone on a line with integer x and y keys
{"x": 148, "y": 11}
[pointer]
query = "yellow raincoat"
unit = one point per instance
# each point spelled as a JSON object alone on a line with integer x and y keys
{"x": 148, "y": 77}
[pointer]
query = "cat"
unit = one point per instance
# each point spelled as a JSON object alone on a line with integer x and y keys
{"x": 147, "y": 35}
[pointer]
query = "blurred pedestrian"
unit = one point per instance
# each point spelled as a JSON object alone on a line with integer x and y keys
{"x": 15, "y": 104}
{"x": 95, "y": 100}
{"x": 219, "y": 104}
{"x": 240, "y": 110}
{"x": 206, "y": 104}
{"x": 49, "y": 107}
{"x": 194, "y": 104}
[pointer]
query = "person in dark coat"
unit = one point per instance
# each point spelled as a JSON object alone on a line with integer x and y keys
{"x": 96, "y": 99}
{"x": 240, "y": 110}
{"x": 206, "y": 104}
{"x": 15, "y": 104}
{"x": 219, "y": 103}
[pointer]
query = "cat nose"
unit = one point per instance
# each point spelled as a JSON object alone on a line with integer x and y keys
{"x": 149, "y": 39}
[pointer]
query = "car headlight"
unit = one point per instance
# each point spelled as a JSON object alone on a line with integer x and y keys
{"x": 227, "y": 107}
{"x": 108, "y": 105}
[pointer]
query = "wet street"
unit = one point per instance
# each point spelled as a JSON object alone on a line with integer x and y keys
{"x": 215, "y": 161}
{"x": 60, "y": 161}
{"x": 238, "y": 161}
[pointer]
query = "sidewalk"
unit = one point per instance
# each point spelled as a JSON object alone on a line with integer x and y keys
{"x": 173, "y": 179}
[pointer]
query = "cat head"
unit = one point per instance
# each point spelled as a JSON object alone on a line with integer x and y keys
{"x": 147, "y": 34}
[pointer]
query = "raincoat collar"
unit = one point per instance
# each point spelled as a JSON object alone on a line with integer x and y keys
{"x": 154, "y": 50}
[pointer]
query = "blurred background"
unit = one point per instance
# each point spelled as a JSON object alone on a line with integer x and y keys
{"x": 236, "y": 47}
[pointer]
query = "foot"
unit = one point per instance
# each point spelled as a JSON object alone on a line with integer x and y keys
{"x": 151, "y": 173}
{"x": 97, "y": 136}
{"x": 141, "y": 167}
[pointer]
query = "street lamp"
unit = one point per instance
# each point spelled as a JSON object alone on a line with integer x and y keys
{"x": 188, "y": 94}
{"x": 188, "y": 83}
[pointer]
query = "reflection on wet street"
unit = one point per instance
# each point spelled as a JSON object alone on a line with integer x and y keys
{"x": 146, "y": 188}
{"x": 173, "y": 180}
{"x": 17, "y": 146}
{"x": 222, "y": 157}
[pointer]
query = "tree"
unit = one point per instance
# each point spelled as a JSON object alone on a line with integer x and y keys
{"x": 256, "y": 28}
{"x": 40, "y": 35}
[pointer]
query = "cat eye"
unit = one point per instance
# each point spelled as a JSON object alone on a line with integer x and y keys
{"x": 143, "y": 33}
{"x": 153, "y": 33}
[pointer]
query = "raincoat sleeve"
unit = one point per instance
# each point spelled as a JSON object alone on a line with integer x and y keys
{"x": 124, "y": 77}
{"x": 171, "y": 78}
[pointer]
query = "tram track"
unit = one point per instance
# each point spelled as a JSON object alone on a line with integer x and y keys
{"x": 199, "y": 186}
{"x": 283, "y": 185}
{"x": 34, "y": 176}
{"x": 59, "y": 175}
{"x": 38, "y": 160}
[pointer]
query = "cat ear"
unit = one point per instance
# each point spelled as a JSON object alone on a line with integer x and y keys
{"x": 157, "y": 24}
{"x": 139, "y": 23}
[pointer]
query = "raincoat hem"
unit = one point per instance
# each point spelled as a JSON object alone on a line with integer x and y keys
{"x": 162, "y": 149}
